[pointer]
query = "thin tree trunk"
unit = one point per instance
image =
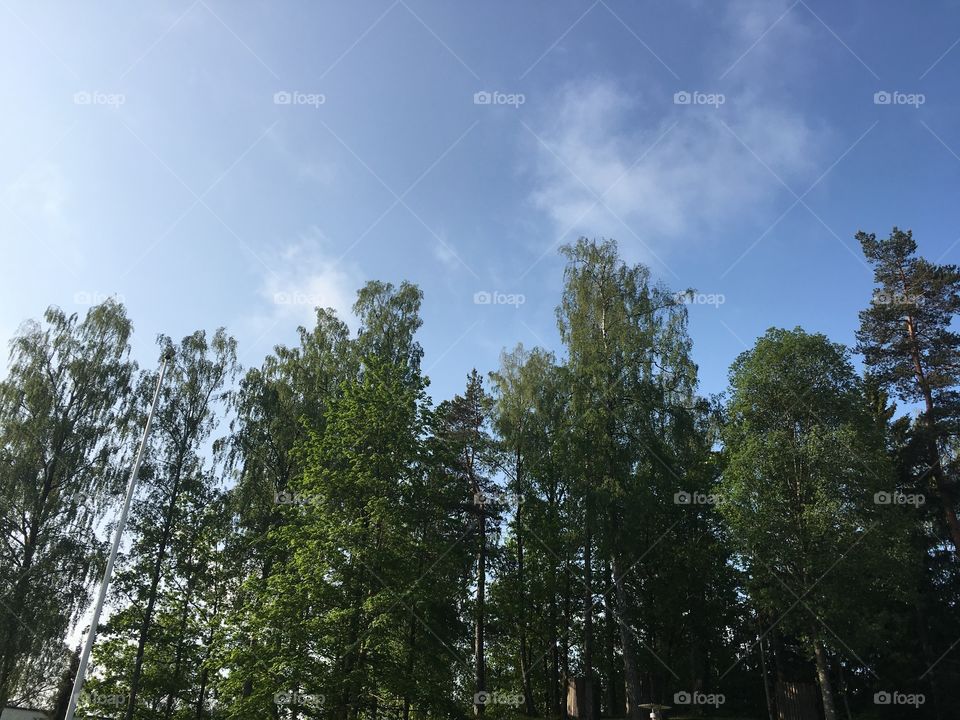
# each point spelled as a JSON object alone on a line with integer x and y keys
{"x": 525, "y": 668}
{"x": 553, "y": 695}
{"x": 205, "y": 672}
{"x": 566, "y": 638}
{"x": 478, "y": 639}
{"x": 630, "y": 673}
{"x": 152, "y": 596}
{"x": 178, "y": 659}
{"x": 609, "y": 646}
{"x": 844, "y": 691}
{"x": 768, "y": 695}
{"x": 944, "y": 488}
{"x": 12, "y": 639}
{"x": 202, "y": 693}
{"x": 411, "y": 643}
{"x": 66, "y": 686}
{"x": 554, "y": 677}
{"x": 823, "y": 677}
{"x": 586, "y": 713}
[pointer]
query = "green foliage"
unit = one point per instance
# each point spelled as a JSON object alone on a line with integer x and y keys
{"x": 803, "y": 485}
{"x": 63, "y": 421}
{"x": 344, "y": 549}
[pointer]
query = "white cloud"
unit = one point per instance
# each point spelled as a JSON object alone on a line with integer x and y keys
{"x": 668, "y": 173}
{"x": 752, "y": 18}
{"x": 444, "y": 253}
{"x": 663, "y": 170}
{"x": 302, "y": 276}
{"x": 767, "y": 44}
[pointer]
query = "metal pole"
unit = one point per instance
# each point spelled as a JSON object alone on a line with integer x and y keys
{"x": 131, "y": 488}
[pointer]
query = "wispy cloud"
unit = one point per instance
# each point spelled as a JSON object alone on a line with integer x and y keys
{"x": 657, "y": 169}
{"x": 601, "y": 166}
{"x": 305, "y": 275}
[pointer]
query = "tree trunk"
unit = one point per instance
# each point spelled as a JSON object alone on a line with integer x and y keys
{"x": 411, "y": 643}
{"x": 66, "y": 686}
{"x": 823, "y": 677}
{"x": 587, "y": 712}
{"x": 525, "y": 668}
{"x": 205, "y": 672}
{"x": 553, "y": 682}
{"x": 844, "y": 691}
{"x": 11, "y": 647}
{"x": 152, "y": 596}
{"x": 609, "y": 706}
{"x": 768, "y": 692}
{"x": 12, "y": 638}
{"x": 944, "y": 488}
{"x": 553, "y": 694}
{"x": 566, "y": 638}
{"x": 202, "y": 693}
{"x": 178, "y": 658}
{"x": 478, "y": 639}
{"x": 630, "y": 673}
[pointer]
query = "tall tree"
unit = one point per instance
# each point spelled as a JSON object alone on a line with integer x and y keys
{"x": 909, "y": 345}
{"x": 529, "y": 419}
{"x": 276, "y": 406}
{"x": 630, "y": 374}
{"x": 804, "y": 463}
{"x": 516, "y": 387}
{"x": 175, "y": 488}
{"x": 464, "y": 427}
{"x": 62, "y": 428}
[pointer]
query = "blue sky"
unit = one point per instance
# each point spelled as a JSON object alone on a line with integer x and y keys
{"x": 148, "y": 152}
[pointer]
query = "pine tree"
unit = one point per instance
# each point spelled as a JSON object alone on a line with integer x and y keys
{"x": 908, "y": 343}
{"x": 464, "y": 429}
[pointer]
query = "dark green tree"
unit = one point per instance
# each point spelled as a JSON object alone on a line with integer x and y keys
{"x": 908, "y": 343}
{"x": 803, "y": 487}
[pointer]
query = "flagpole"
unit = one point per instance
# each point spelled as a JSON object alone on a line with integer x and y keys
{"x": 121, "y": 524}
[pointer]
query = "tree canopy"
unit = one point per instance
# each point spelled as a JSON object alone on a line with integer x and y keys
{"x": 577, "y": 532}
